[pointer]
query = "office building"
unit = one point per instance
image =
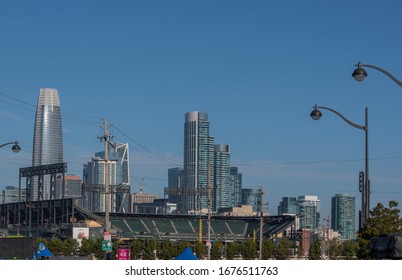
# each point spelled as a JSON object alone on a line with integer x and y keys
{"x": 175, "y": 185}
{"x": 119, "y": 153}
{"x": 236, "y": 183}
{"x": 94, "y": 178}
{"x": 11, "y": 194}
{"x": 198, "y": 162}
{"x": 288, "y": 206}
{"x": 70, "y": 188}
{"x": 223, "y": 193}
{"x": 251, "y": 196}
{"x": 343, "y": 215}
{"x": 47, "y": 140}
{"x": 308, "y": 210}
{"x": 138, "y": 200}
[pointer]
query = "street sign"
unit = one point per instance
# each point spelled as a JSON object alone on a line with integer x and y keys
{"x": 107, "y": 236}
{"x": 123, "y": 254}
{"x": 106, "y": 245}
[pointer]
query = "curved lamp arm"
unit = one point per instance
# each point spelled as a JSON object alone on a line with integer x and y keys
{"x": 342, "y": 117}
{"x": 9, "y": 143}
{"x": 381, "y": 70}
{"x": 16, "y": 147}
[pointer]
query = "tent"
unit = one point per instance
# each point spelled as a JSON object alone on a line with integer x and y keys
{"x": 187, "y": 254}
{"x": 43, "y": 251}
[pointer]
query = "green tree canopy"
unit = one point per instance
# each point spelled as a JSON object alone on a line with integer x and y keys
{"x": 268, "y": 249}
{"x": 382, "y": 220}
{"x": 283, "y": 249}
{"x": 315, "y": 250}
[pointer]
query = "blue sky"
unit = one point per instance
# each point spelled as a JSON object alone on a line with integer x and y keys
{"x": 256, "y": 67}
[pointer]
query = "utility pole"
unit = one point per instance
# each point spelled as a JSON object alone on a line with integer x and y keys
{"x": 209, "y": 217}
{"x": 107, "y": 197}
{"x": 106, "y": 138}
{"x": 261, "y": 222}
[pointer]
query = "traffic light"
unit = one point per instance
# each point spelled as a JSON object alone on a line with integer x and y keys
{"x": 361, "y": 181}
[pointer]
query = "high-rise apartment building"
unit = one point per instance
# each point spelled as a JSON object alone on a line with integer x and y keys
{"x": 251, "y": 196}
{"x": 236, "y": 183}
{"x": 118, "y": 180}
{"x": 308, "y": 210}
{"x": 343, "y": 215}
{"x": 175, "y": 184}
{"x": 198, "y": 162}
{"x": 288, "y": 206}
{"x": 223, "y": 193}
{"x": 119, "y": 153}
{"x": 94, "y": 179}
{"x": 47, "y": 140}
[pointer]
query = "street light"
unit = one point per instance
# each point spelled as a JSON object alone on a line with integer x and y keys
{"x": 360, "y": 74}
{"x": 15, "y": 148}
{"x": 364, "y": 188}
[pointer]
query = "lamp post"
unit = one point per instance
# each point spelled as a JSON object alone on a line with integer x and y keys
{"x": 364, "y": 186}
{"x": 360, "y": 74}
{"x": 15, "y": 148}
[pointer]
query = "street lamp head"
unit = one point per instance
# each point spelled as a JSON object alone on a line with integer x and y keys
{"x": 359, "y": 74}
{"x": 16, "y": 148}
{"x": 315, "y": 114}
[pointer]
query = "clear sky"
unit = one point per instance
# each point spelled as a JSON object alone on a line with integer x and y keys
{"x": 256, "y": 67}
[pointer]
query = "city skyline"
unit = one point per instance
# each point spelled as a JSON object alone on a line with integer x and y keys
{"x": 256, "y": 68}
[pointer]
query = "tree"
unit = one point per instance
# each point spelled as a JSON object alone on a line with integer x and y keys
{"x": 98, "y": 252}
{"x": 334, "y": 249}
{"x": 349, "y": 249}
{"x": 315, "y": 250}
{"x": 283, "y": 249}
{"x": 233, "y": 250}
{"x": 168, "y": 250}
{"x": 382, "y": 220}
{"x": 199, "y": 249}
{"x": 150, "y": 249}
{"x": 216, "y": 250}
{"x": 70, "y": 246}
{"x": 136, "y": 249}
{"x": 249, "y": 249}
{"x": 55, "y": 246}
{"x": 87, "y": 247}
{"x": 268, "y": 249}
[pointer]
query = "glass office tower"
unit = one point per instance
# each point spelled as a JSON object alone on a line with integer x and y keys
{"x": 48, "y": 138}
{"x": 198, "y": 157}
{"x": 223, "y": 193}
{"x": 343, "y": 215}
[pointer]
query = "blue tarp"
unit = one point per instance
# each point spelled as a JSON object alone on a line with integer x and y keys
{"x": 187, "y": 254}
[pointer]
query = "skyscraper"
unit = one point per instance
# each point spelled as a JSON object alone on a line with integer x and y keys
{"x": 223, "y": 193}
{"x": 48, "y": 138}
{"x": 251, "y": 196}
{"x": 308, "y": 210}
{"x": 119, "y": 153}
{"x": 287, "y": 206}
{"x": 343, "y": 219}
{"x": 94, "y": 178}
{"x": 236, "y": 183}
{"x": 198, "y": 162}
{"x": 118, "y": 180}
{"x": 175, "y": 184}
